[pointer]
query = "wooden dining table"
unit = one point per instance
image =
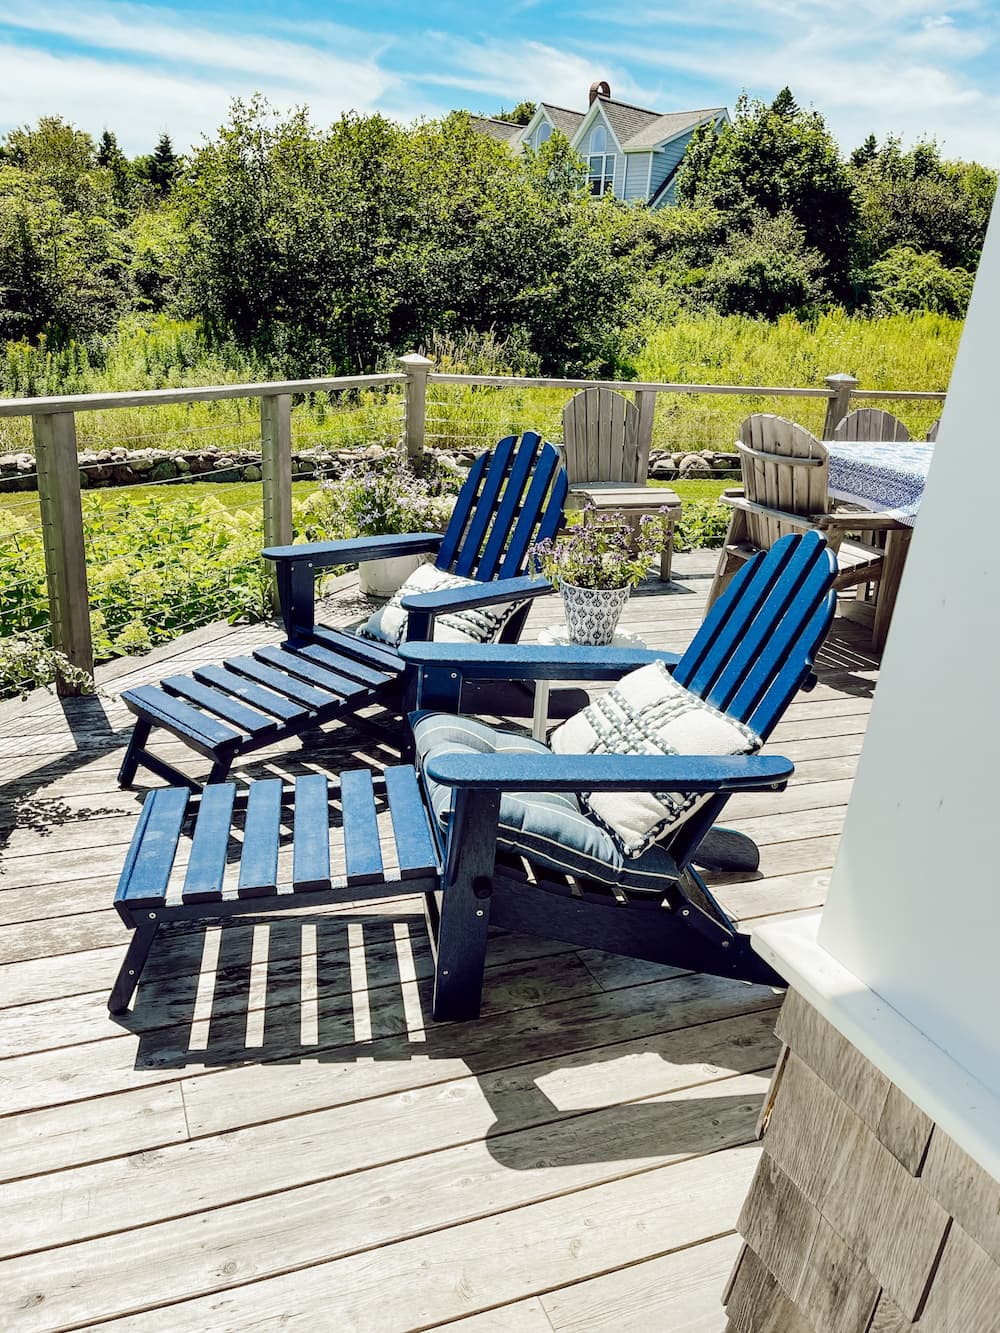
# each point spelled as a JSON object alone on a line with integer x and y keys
{"x": 885, "y": 477}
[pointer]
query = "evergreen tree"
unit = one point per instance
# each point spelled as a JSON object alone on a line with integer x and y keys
{"x": 162, "y": 166}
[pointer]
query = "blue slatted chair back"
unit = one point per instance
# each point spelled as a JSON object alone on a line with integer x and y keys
{"x": 756, "y": 646}
{"x": 513, "y": 497}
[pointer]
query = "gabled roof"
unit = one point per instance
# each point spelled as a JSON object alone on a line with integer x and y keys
{"x": 567, "y": 122}
{"x": 653, "y": 129}
{"x": 505, "y": 130}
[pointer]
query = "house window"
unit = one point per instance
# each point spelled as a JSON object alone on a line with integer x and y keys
{"x": 599, "y": 140}
{"x": 602, "y": 173}
{"x": 543, "y": 135}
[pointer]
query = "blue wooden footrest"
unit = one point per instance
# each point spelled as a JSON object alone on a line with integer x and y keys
{"x": 233, "y": 861}
{"x": 248, "y": 701}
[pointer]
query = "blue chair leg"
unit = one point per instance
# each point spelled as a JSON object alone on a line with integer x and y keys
{"x": 131, "y": 968}
{"x": 464, "y": 918}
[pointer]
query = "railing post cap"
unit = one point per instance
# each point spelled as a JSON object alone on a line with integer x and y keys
{"x": 414, "y": 361}
{"x": 841, "y": 381}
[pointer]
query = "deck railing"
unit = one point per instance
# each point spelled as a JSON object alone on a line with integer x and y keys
{"x": 53, "y": 423}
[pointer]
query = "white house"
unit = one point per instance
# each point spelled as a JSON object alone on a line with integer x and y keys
{"x": 631, "y": 152}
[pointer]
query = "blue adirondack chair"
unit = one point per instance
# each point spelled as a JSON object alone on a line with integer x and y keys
{"x": 512, "y": 497}
{"x": 752, "y": 654}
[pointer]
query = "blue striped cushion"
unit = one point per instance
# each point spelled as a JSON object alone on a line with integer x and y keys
{"x": 548, "y": 828}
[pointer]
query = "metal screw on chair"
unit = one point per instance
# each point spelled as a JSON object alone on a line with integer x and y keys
{"x": 685, "y": 911}
{"x": 152, "y": 916}
{"x": 479, "y": 912}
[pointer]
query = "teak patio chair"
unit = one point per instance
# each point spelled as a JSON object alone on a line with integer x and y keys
{"x": 453, "y": 834}
{"x": 786, "y": 489}
{"x": 607, "y": 466}
{"x": 871, "y": 423}
{"x": 512, "y": 497}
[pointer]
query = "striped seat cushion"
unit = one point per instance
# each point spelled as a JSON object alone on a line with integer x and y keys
{"x": 549, "y": 828}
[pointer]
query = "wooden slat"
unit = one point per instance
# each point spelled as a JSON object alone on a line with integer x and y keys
{"x": 170, "y": 711}
{"x": 362, "y": 848}
{"x": 414, "y": 842}
{"x": 311, "y": 834}
{"x": 207, "y": 861}
{"x": 239, "y": 687}
{"x": 146, "y": 872}
{"x": 302, "y": 669}
{"x": 296, "y": 690}
{"x": 230, "y": 710}
{"x": 259, "y": 858}
{"x": 343, "y": 664}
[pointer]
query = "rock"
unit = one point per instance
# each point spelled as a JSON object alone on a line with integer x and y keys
{"x": 251, "y": 472}
{"x": 182, "y": 464}
{"x": 695, "y": 466}
{"x": 663, "y": 472}
{"x": 140, "y": 463}
{"x": 84, "y": 479}
{"x": 163, "y": 470}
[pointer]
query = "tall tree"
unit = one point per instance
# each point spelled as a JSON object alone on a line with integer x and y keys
{"x": 162, "y": 166}
{"x": 776, "y": 159}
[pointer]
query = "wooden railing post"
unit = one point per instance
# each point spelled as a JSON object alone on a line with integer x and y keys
{"x": 276, "y": 473}
{"x": 417, "y": 368}
{"x": 645, "y": 401}
{"x": 63, "y": 540}
{"x": 841, "y": 387}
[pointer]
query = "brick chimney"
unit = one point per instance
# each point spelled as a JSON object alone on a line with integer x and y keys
{"x": 601, "y": 88}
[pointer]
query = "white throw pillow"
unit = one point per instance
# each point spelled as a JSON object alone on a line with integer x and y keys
{"x": 647, "y": 712}
{"x": 480, "y": 624}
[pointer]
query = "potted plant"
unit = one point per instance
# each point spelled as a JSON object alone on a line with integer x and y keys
{"x": 595, "y": 565}
{"x": 384, "y": 496}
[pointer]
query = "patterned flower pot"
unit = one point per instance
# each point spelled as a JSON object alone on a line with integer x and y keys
{"x": 592, "y": 613}
{"x": 383, "y": 578}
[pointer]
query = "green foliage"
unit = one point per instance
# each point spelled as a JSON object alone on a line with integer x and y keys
{"x": 919, "y": 200}
{"x": 386, "y": 496}
{"x": 328, "y": 250}
{"x": 905, "y": 280}
{"x": 702, "y": 523}
{"x": 520, "y": 115}
{"x": 767, "y": 271}
{"x": 28, "y": 661}
{"x": 776, "y": 159}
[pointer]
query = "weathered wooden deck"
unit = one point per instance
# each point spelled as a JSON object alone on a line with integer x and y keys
{"x": 278, "y": 1135}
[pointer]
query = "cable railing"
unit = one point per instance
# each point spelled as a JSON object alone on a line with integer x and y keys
{"x": 412, "y": 408}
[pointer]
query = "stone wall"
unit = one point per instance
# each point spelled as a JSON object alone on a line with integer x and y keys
{"x": 132, "y": 467}
{"x": 864, "y": 1216}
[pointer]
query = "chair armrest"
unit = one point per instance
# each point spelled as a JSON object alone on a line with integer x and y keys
{"x": 858, "y": 522}
{"x": 323, "y": 554}
{"x": 482, "y": 594}
{"x": 806, "y": 522}
{"x": 609, "y": 772}
{"x": 511, "y": 661}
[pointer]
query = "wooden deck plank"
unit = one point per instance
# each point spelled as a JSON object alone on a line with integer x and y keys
{"x": 430, "y": 1279}
{"x": 553, "y": 1166}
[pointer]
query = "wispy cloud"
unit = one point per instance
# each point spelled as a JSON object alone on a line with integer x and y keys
{"x": 899, "y": 66}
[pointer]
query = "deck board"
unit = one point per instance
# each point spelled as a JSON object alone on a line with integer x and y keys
{"x": 576, "y": 1160}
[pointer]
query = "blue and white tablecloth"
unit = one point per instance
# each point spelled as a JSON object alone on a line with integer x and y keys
{"x": 885, "y": 477}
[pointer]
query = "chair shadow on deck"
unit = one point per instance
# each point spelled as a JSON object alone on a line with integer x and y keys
{"x": 345, "y": 993}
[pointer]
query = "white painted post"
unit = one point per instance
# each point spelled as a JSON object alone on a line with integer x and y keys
{"x": 276, "y": 473}
{"x": 837, "y": 408}
{"x": 417, "y": 369}
{"x": 63, "y": 540}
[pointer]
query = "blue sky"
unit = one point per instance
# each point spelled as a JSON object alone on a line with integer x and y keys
{"x": 888, "y": 66}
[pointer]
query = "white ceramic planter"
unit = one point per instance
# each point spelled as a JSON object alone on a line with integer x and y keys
{"x": 382, "y": 578}
{"x": 592, "y": 614}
